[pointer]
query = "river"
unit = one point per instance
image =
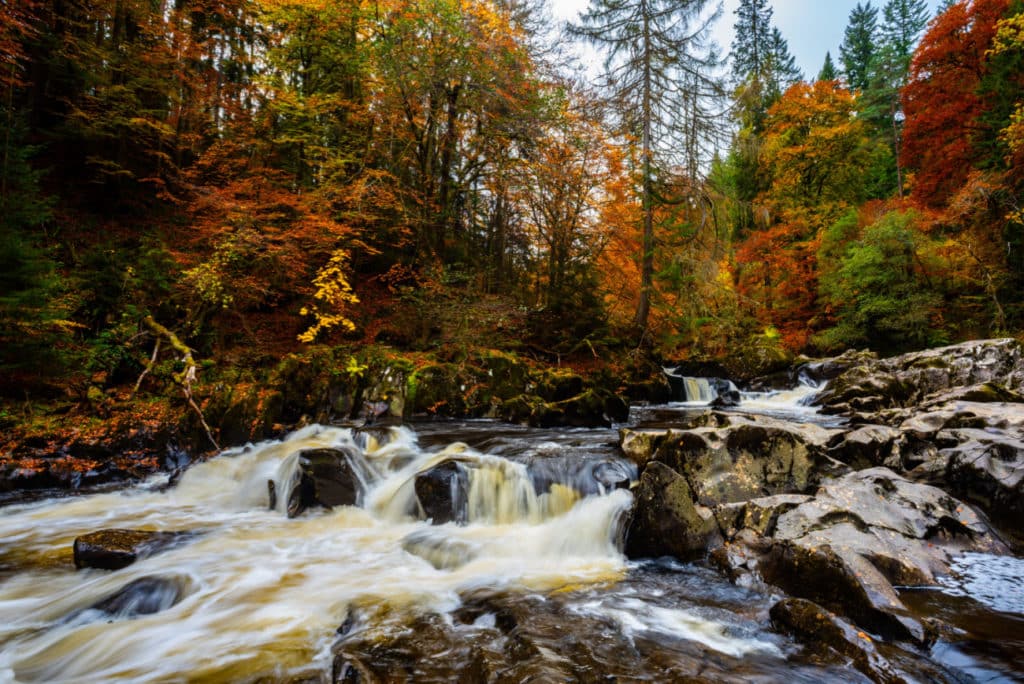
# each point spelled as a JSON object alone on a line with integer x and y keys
{"x": 258, "y": 596}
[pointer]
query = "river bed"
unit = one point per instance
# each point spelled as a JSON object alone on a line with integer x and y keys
{"x": 262, "y": 597}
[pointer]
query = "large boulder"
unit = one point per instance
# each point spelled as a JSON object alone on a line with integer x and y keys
{"x": 324, "y": 477}
{"x": 666, "y": 520}
{"x": 113, "y": 549}
{"x": 749, "y": 458}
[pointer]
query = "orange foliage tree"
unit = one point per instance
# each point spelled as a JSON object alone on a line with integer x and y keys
{"x": 941, "y": 100}
{"x": 815, "y": 149}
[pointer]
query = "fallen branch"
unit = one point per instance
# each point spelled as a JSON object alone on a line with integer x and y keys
{"x": 187, "y": 377}
{"x": 145, "y": 371}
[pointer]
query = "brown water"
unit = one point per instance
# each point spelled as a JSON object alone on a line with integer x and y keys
{"x": 262, "y": 597}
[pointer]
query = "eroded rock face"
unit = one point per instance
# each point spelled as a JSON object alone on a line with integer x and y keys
{"x": 909, "y": 379}
{"x": 114, "y": 549}
{"x": 325, "y": 477}
{"x": 747, "y": 459}
{"x": 847, "y": 546}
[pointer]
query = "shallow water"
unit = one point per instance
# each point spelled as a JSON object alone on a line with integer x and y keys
{"x": 258, "y": 596}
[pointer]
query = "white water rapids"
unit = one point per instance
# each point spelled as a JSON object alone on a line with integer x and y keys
{"x": 265, "y": 594}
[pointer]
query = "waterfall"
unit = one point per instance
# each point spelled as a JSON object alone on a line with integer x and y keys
{"x": 264, "y": 594}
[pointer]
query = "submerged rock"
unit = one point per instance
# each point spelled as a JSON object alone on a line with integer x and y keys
{"x": 114, "y": 549}
{"x": 144, "y": 596}
{"x": 325, "y": 477}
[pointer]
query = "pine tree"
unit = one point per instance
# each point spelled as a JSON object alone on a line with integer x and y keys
{"x": 828, "y": 70}
{"x": 902, "y": 26}
{"x": 657, "y": 51}
{"x": 784, "y": 68}
{"x": 903, "y": 23}
{"x": 858, "y": 47}
{"x": 751, "y": 44}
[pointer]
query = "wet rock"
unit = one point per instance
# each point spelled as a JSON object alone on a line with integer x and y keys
{"x": 442, "y": 492}
{"x": 639, "y": 446}
{"x": 144, "y": 596}
{"x": 444, "y": 553}
{"x": 823, "y": 630}
{"x": 747, "y": 459}
{"x": 822, "y": 575}
{"x": 324, "y": 477}
{"x": 118, "y": 548}
{"x": 865, "y": 447}
{"x": 907, "y": 380}
{"x": 609, "y": 476}
{"x": 988, "y": 470}
{"x": 761, "y": 515}
{"x": 864, "y": 533}
{"x": 666, "y": 521}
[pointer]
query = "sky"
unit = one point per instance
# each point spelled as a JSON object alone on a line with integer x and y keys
{"x": 811, "y": 27}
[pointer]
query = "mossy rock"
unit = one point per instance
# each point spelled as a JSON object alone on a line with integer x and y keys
{"x": 556, "y": 384}
{"x": 506, "y": 375}
{"x": 759, "y": 355}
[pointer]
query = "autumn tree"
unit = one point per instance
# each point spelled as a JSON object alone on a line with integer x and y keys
{"x": 881, "y": 287}
{"x": 815, "y": 149}
{"x": 657, "y": 51}
{"x": 941, "y": 100}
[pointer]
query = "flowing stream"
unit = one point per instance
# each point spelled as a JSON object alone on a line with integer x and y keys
{"x": 257, "y": 596}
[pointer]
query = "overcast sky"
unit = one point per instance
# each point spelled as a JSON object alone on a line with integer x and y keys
{"x": 811, "y": 27}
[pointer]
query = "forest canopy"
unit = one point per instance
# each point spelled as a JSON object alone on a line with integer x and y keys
{"x": 263, "y": 175}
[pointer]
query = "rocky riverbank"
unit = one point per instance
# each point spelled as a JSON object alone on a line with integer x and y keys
{"x": 929, "y": 465}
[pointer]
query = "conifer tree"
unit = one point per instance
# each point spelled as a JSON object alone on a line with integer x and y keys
{"x": 751, "y": 44}
{"x": 785, "y": 70}
{"x": 656, "y": 52}
{"x": 858, "y": 47}
{"x": 828, "y": 69}
{"x": 903, "y": 23}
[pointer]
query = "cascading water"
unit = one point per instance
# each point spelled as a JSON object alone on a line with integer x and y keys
{"x": 256, "y": 595}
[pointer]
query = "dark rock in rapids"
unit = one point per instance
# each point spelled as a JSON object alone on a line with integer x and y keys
{"x": 443, "y": 492}
{"x": 117, "y": 548}
{"x": 325, "y": 477}
{"x": 144, "y": 596}
{"x": 824, "y": 633}
{"x": 666, "y": 521}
